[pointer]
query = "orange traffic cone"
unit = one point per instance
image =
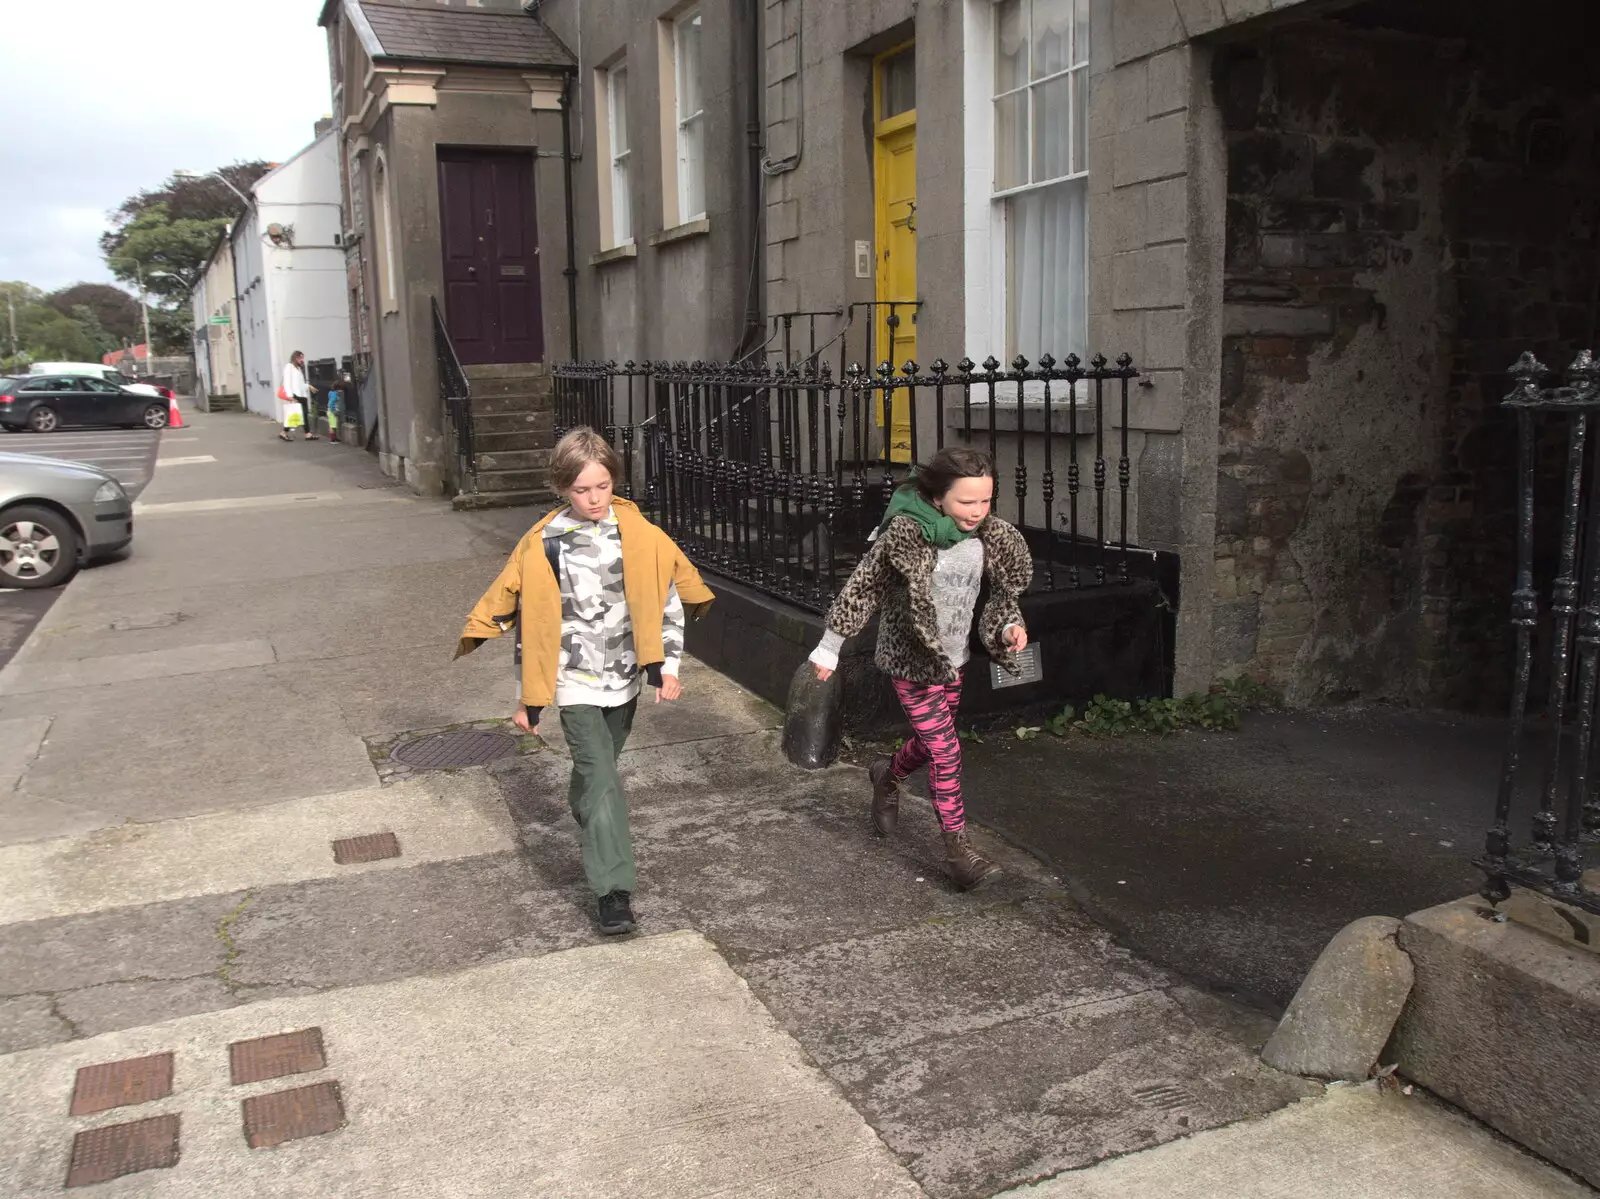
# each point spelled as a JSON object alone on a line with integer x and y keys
{"x": 174, "y": 417}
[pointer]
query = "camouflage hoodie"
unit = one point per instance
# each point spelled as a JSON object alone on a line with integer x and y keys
{"x": 598, "y": 664}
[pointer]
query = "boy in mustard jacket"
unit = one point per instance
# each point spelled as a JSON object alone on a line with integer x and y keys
{"x": 602, "y": 594}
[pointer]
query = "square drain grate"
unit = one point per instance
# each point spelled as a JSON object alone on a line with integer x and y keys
{"x": 101, "y": 1154}
{"x": 270, "y": 1120}
{"x": 121, "y": 1084}
{"x": 273, "y": 1057}
{"x": 370, "y": 847}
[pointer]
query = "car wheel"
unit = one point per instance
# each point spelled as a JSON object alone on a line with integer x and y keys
{"x": 43, "y": 419}
{"x": 156, "y": 416}
{"x": 38, "y": 548}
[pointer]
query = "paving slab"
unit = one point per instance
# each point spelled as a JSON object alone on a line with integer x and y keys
{"x": 168, "y": 748}
{"x": 1352, "y": 1143}
{"x": 450, "y": 1079}
{"x": 435, "y": 817}
{"x": 33, "y": 675}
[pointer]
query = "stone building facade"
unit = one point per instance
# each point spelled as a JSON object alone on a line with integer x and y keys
{"x": 1322, "y": 229}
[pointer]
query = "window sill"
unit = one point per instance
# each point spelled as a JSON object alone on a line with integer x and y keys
{"x": 683, "y": 232}
{"x": 615, "y": 254}
{"x": 1005, "y": 415}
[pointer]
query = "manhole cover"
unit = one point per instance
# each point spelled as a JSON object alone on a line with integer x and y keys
{"x": 120, "y": 1084}
{"x": 463, "y": 747}
{"x": 101, "y": 1154}
{"x": 371, "y": 847}
{"x": 270, "y": 1120}
{"x": 273, "y": 1057}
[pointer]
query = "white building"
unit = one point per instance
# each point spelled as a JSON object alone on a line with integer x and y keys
{"x": 219, "y": 376}
{"x": 290, "y": 268}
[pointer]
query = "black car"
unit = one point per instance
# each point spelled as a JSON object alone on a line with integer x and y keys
{"x": 45, "y": 403}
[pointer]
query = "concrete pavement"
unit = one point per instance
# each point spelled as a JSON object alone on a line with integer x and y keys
{"x": 809, "y": 1011}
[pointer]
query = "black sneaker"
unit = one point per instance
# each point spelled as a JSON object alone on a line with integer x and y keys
{"x": 616, "y": 917}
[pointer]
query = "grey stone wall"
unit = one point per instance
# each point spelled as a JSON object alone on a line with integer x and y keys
{"x": 678, "y": 299}
{"x": 1405, "y": 192}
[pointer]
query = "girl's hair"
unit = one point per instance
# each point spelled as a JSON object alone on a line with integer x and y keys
{"x": 939, "y": 473}
{"x": 297, "y": 355}
{"x": 577, "y": 450}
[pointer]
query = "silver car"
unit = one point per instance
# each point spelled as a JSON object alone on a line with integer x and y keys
{"x": 55, "y": 516}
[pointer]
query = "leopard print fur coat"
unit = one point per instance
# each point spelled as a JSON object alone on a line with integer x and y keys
{"x": 896, "y": 580}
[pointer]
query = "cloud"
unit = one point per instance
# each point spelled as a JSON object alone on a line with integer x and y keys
{"x": 194, "y": 84}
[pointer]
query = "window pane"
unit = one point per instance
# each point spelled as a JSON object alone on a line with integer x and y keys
{"x": 1047, "y": 271}
{"x": 1052, "y": 128}
{"x": 1011, "y": 141}
{"x": 1010, "y": 46}
{"x": 1080, "y": 121}
{"x": 621, "y": 203}
{"x": 897, "y": 84}
{"x": 1052, "y": 36}
{"x": 1080, "y": 33}
{"x": 689, "y": 97}
{"x": 691, "y": 170}
{"x": 619, "y": 111}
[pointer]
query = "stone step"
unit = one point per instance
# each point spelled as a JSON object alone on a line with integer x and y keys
{"x": 505, "y": 370}
{"x": 494, "y": 443}
{"x": 511, "y": 480}
{"x": 531, "y": 459}
{"x": 542, "y": 423}
{"x": 512, "y": 403}
{"x": 533, "y": 386}
{"x": 530, "y": 498}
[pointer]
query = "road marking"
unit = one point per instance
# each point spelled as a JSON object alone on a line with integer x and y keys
{"x": 248, "y": 501}
{"x": 191, "y": 461}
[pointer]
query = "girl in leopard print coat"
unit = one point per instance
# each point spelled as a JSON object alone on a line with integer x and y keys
{"x": 928, "y": 561}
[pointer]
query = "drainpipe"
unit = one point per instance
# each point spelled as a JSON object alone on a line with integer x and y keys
{"x": 571, "y": 272}
{"x": 754, "y": 316}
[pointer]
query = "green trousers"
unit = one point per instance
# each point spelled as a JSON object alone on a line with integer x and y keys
{"x": 595, "y": 737}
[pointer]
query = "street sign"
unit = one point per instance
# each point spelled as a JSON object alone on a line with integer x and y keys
{"x": 221, "y": 320}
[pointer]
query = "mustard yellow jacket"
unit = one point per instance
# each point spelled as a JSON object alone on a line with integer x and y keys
{"x": 651, "y": 564}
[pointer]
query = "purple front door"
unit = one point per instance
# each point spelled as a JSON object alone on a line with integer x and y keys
{"x": 491, "y": 256}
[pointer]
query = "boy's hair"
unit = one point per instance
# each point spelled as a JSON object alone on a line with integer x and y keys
{"x": 577, "y": 450}
{"x": 939, "y": 473}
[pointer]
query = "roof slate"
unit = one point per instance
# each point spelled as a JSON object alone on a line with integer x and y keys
{"x": 464, "y": 35}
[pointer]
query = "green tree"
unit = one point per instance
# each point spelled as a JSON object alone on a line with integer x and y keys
{"x": 114, "y": 309}
{"x": 173, "y": 228}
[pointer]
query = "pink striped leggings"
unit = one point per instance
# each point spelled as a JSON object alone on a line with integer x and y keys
{"x": 931, "y": 709}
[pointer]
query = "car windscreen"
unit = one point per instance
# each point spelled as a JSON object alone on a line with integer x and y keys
{"x": 8, "y": 383}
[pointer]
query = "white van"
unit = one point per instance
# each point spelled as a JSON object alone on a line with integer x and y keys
{"x": 97, "y": 370}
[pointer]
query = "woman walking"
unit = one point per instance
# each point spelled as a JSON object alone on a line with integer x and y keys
{"x": 597, "y": 595}
{"x": 928, "y": 561}
{"x": 296, "y": 396}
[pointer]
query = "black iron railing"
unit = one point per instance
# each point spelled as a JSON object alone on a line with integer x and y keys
{"x": 455, "y": 393}
{"x": 1566, "y": 824}
{"x": 776, "y": 477}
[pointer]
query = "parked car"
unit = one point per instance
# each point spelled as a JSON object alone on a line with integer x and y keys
{"x": 45, "y": 403}
{"x": 55, "y": 516}
{"x": 98, "y": 370}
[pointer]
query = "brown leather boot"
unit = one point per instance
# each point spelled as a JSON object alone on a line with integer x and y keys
{"x": 968, "y": 868}
{"x": 885, "y": 797}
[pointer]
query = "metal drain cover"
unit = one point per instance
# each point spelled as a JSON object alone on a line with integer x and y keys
{"x": 463, "y": 747}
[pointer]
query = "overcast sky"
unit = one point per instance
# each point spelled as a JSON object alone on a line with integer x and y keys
{"x": 101, "y": 98}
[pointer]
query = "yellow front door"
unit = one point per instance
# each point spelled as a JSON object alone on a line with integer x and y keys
{"x": 895, "y": 196}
